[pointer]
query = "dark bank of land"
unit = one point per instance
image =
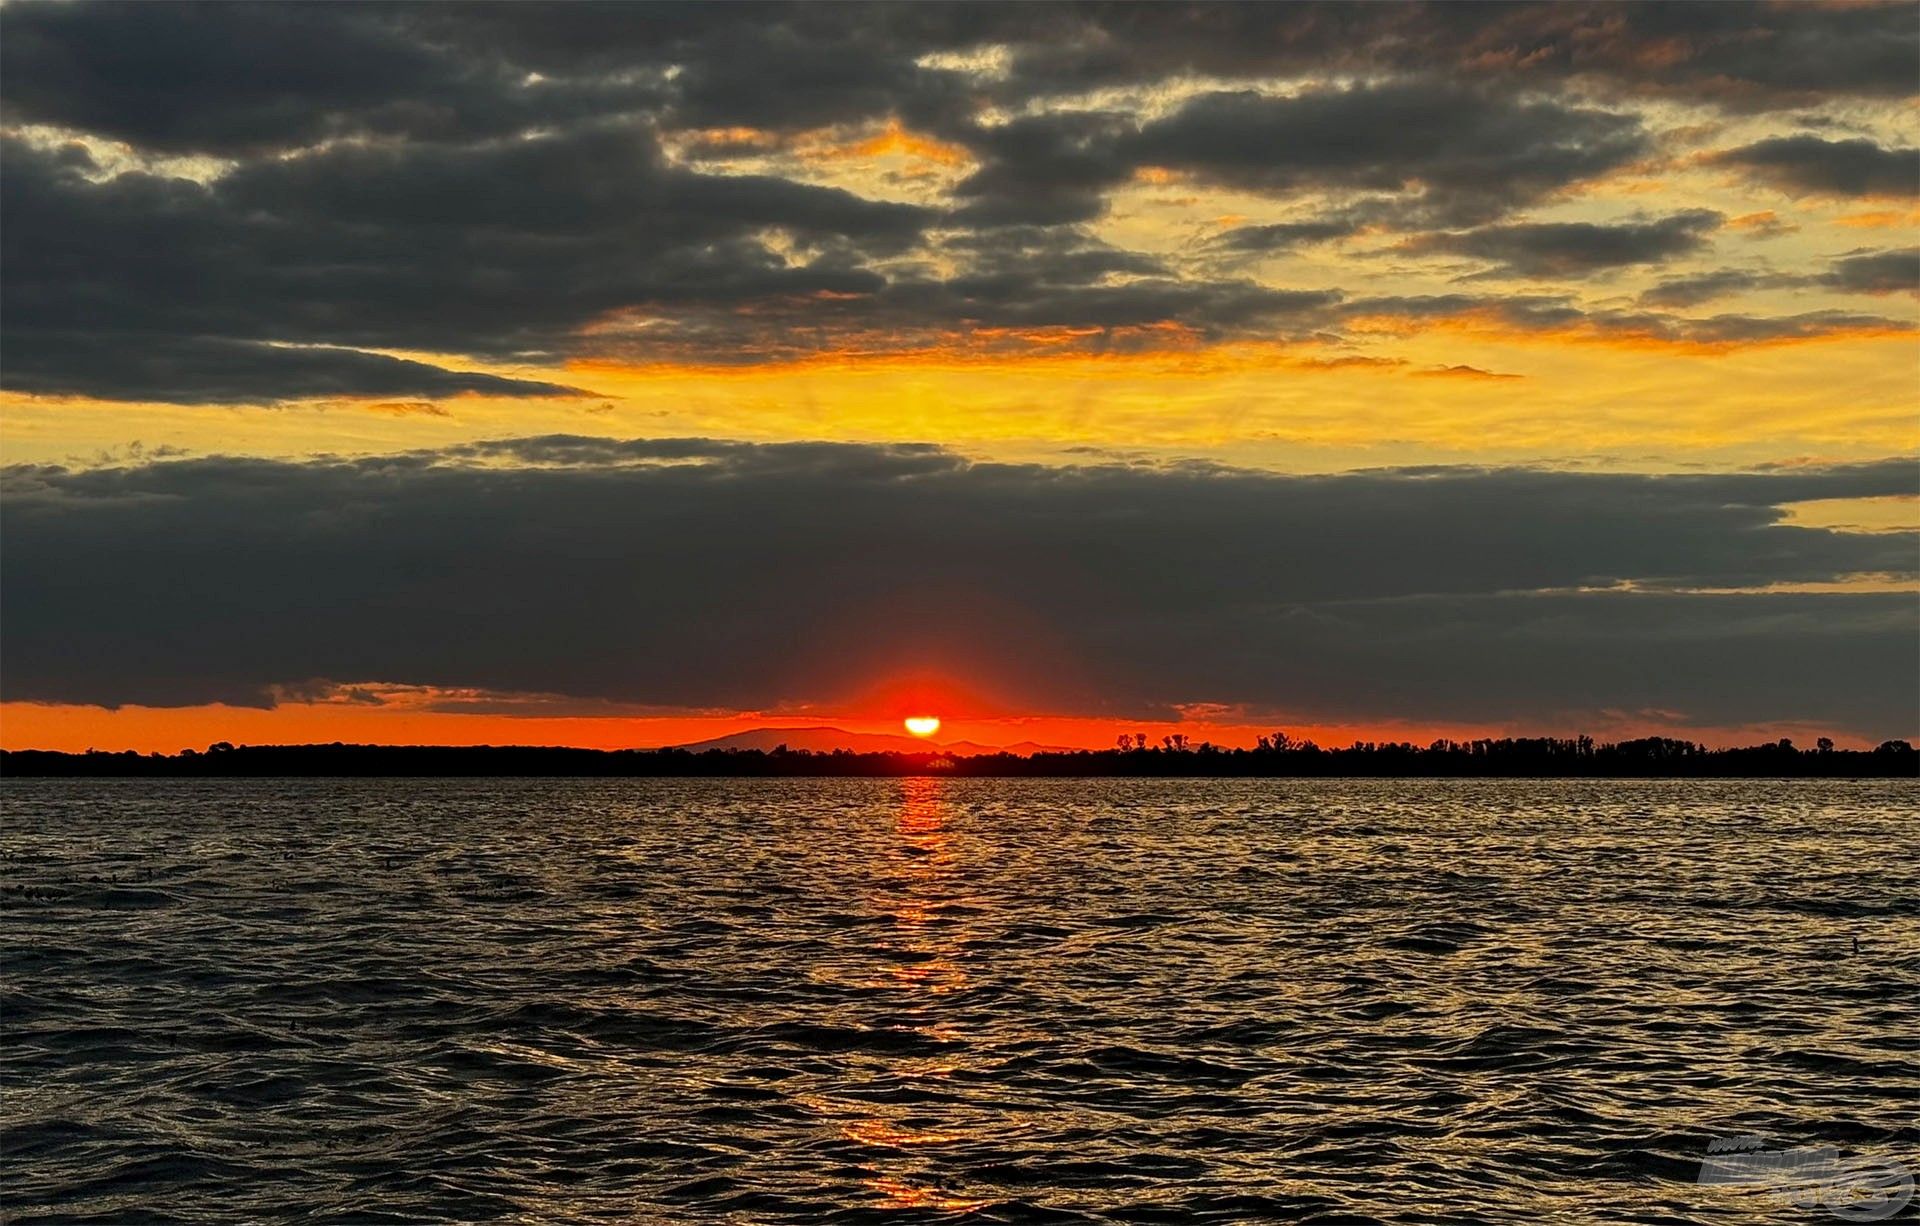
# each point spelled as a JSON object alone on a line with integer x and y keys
{"x": 1278, "y": 757}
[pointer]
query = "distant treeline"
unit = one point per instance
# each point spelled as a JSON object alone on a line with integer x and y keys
{"x": 1278, "y": 756}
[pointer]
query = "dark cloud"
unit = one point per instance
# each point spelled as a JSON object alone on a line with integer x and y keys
{"x": 1282, "y": 236}
{"x": 1424, "y": 152}
{"x": 1044, "y": 170}
{"x": 1733, "y": 330}
{"x": 1744, "y": 56}
{"x": 209, "y": 370}
{"x": 1811, "y": 165}
{"x": 506, "y": 249}
{"x": 1858, "y": 272}
{"x": 1691, "y": 291}
{"x": 1876, "y": 272}
{"x": 1463, "y": 154}
{"x": 1574, "y": 249}
{"x": 1710, "y": 659}
{"x": 500, "y": 250}
{"x": 237, "y": 78}
{"x": 639, "y": 571}
{"x": 580, "y": 185}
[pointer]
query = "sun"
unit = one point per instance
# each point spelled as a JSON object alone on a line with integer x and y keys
{"x": 923, "y": 725}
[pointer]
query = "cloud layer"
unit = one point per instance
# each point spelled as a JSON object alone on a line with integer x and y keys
{"x": 696, "y": 572}
{"x": 195, "y": 193}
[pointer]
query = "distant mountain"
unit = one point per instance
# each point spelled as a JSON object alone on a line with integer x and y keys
{"x": 826, "y": 740}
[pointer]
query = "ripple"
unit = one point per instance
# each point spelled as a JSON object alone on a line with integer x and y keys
{"x": 920, "y": 1000}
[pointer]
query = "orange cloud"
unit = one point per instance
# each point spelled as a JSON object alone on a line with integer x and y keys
{"x": 1764, "y": 224}
{"x": 892, "y": 141}
{"x": 1884, "y": 219}
{"x": 727, "y": 142}
{"x": 896, "y": 141}
{"x": 1158, "y": 176}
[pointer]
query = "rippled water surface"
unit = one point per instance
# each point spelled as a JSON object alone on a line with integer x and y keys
{"x": 915, "y": 1000}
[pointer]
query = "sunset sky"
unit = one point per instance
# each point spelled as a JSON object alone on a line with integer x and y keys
{"x": 627, "y": 375}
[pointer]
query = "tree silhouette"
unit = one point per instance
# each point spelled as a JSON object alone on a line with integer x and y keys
{"x": 1510, "y": 757}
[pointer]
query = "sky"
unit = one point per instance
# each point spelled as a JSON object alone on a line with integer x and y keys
{"x": 625, "y": 375}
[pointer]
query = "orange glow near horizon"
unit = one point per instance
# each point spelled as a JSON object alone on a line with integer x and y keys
{"x": 77, "y": 728}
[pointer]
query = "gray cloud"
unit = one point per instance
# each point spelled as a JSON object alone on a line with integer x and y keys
{"x": 1809, "y": 164}
{"x": 1876, "y": 272}
{"x": 1283, "y": 236}
{"x": 1465, "y": 154}
{"x": 1743, "y": 56}
{"x": 1857, "y": 272}
{"x": 1707, "y": 286}
{"x": 1574, "y": 249}
{"x": 499, "y": 250}
{"x": 243, "y": 78}
{"x": 209, "y": 370}
{"x": 702, "y": 572}
{"x": 1733, "y": 329}
{"x": 1043, "y": 170}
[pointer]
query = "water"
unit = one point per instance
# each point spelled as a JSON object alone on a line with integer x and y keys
{"x": 913, "y": 1000}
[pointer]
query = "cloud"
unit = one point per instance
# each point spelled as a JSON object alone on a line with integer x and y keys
{"x": 1735, "y": 330}
{"x": 1574, "y": 249}
{"x": 1459, "y": 154}
{"x": 1283, "y": 236}
{"x": 209, "y": 187}
{"x": 210, "y": 370}
{"x": 1876, "y": 272}
{"x": 1741, "y": 56}
{"x": 498, "y": 250}
{"x": 1691, "y": 291}
{"x": 239, "y": 80}
{"x": 1560, "y": 317}
{"x": 1762, "y": 225}
{"x": 1857, "y": 272}
{"x": 1813, "y": 166}
{"x": 1026, "y": 289}
{"x": 235, "y": 80}
{"x": 1052, "y": 169}
{"x": 640, "y": 571}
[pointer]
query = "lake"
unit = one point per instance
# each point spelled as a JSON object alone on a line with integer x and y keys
{"x": 768, "y": 1001}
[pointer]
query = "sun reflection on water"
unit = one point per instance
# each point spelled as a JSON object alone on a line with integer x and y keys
{"x": 919, "y": 891}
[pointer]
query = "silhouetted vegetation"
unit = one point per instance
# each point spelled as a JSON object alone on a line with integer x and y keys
{"x": 1277, "y": 756}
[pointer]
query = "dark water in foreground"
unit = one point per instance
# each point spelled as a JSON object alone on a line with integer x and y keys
{"x": 913, "y": 1000}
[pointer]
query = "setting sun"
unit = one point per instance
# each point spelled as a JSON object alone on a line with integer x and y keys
{"x": 923, "y": 725}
